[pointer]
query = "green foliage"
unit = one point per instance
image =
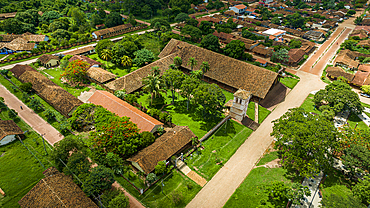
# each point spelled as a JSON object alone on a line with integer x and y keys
{"x": 250, "y": 35}
{"x": 209, "y": 96}
{"x": 113, "y": 19}
{"x": 121, "y": 94}
{"x": 192, "y": 22}
{"x": 295, "y": 43}
{"x": 49, "y": 114}
{"x": 305, "y": 148}
{"x": 181, "y": 17}
{"x": 77, "y": 164}
{"x": 177, "y": 197}
{"x": 339, "y": 96}
{"x": 12, "y": 114}
{"x": 210, "y": 42}
{"x": 103, "y": 44}
{"x": 161, "y": 168}
{"x": 76, "y": 71}
{"x": 340, "y": 201}
{"x": 151, "y": 177}
{"x": 26, "y": 87}
{"x": 235, "y": 49}
{"x": 188, "y": 85}
{"x": 147, "y": 138}
{"x": 160, "y": 24}
{"x": 108, "y": 195}
{"x": 356, "y": 158}
{"x": 120, "y": 201}
{"x": 100, "y": 179}
{"x": 35, "y": 104}
{"x": 61, "y": 150}
{"x": 365, "y": 89}
{"x": 362, "y": 190}
{"x": 131, "y": 98}
{"x": 194, "y": 32}
{"x": 206, "y": 27}
{"x": 143, "y": 56}
{"x": 280, "y": 55}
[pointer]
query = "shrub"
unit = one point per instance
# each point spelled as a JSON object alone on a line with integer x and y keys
{"x": 161, "y": 168}
{"x": 177, "y": 197}
{"x": 130, "y": 98}
{"x": 120, "y": 201}
{"x": 151, "y": 177}
{"x": 26, "y": 87}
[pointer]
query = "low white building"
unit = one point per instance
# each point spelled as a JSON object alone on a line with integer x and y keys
{"x": 239, "y": 9}
{"x": 8, "y": 131}
{"x": 274, "y": 34}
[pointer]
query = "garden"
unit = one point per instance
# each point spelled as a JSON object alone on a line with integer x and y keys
{"x": 22, "y": 164}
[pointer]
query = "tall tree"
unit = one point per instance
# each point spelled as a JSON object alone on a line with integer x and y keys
{"x": 235, "y": 49}
{"x": 113, "y": 19}
{"x": 106, "y": 54}
{"x": 100, "y": 179}
{"x": 126, "y": 61}
{"x": 173, "y": 79}
{"x": 187, "y": 87}
{"x": 177, "y": 61}
{"x": 192, "y": 63}
{"x": 194, "y": 32}
{"x": 210, "y": 97}
{"x": 210, "y": 42}
{"x": 280, "y": 55}
{"x": 204, "y": 67}
{"x": 305, "y": 141}
{"x": 362, "y": 190}
{"x": 153, "y": 84}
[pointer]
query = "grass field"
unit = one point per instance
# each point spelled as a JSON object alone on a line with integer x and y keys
{"x": 56, "y": 72}
{"x": 262, "y": 114}
{"x": 118, "y": 70}
{"x": 174, "y": 183}
{"x": 251, "y": 190}
{"x": 289, "y": 82}
{"x": 19, "y": 169}
{"x": 251, "y": 110}
{"x": 218, "y": 147}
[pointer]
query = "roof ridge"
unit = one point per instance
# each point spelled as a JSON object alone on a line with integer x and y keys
{"x": 52, "y": 190}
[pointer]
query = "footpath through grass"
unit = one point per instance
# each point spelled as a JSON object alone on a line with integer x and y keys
{"x": 176, "y": 186}
{"x": 218, "y": 149}
{"x": 251, "y": 191}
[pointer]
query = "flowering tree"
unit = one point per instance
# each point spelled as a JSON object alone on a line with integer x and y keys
{"x": 75, "y": 71}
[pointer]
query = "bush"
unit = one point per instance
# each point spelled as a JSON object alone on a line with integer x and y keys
{"x": 108, "y": 195}
{"x": 177, "y": 197}
{"x": 120, "y": 201}
{"x": 120, "y": 94}
{"x": 151, "y": 177}
{"x": 130, "y": 98}
{"x": 161, "y": 168}
{"x": 26, "y": 87}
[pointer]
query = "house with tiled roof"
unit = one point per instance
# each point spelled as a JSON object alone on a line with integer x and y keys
{"x": 111, "y": 31}
{"x": 99, "y": 75}
{"x": 91, "y": 62}
{"x": 19, "y": 43}
{"x": 7, "y": 15}
{"x": 56, "y": 190}
{"x": 239, "y": 9}
{"x": 48, "y": 60}
{"x": 60, "y": 99}
{"x": 81, "y": 51}
{"x": 263, "y": 51}
{"x": 223, "y": 36}
{"x": 117, "y": 106}
{"x": 209, "y": 19}
{"x": 335, "y": 72}
{"x": 170, "y": 143}
{"x": 346, "y": 59}
{"x": 295, "y": 56}
{"x": 230, "y": 74}
{"x": 8, "y": 131}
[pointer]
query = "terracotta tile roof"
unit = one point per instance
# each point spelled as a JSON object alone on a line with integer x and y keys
{"x": 112, "y": 29}
{"x": 240, "y": 6}
{"x": 360, "y": 33}
{"x": 208, "y": 19}
{"x": 347, "y": 59}
{"x": 26, "y": 36}
{"x": 61, "y": 100}
{"x": 18, "y": 47}
{"x": 100, "y": 75}
{"x": 360, "y": 78}
{"x": 222, "y": 35}
{"x": 335, "y": 72}
{"x": 226, "y": 70}
{"x": 163, "y": 148}
{"x": 8, "y": 15}
{"x": 295, "y": 55}
{"x": 80, "y": 51}
{"x": 115, "y": 105}
{"x": 366, "y": 28}
{"x": 262, "y": 50}
{"x": 229, "y": 12}
{"x": 261, "y": 61}
{"x": 90, "y": 61}
{"x": 56, "y": 190}
{"x": 364, "y": 42}
{"x": 9, "y": 127}
{"x": 133, "y": 81}
{"x": 45, "y": 58}
{"x": 364, "y": 68}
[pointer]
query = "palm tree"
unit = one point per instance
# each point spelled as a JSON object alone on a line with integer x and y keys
{"x": 177, "y": 61}
{"x": 106, "y": 54}
{"x": 204, "y": 67}
{"x": 192, "y": 62}
{"x": 126, "y": 61}
{"x": 153, "y": 85}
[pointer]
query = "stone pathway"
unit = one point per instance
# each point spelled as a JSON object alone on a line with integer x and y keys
{"x": 256, "y": 112}
{"x": 191, "y": 174}
{"x": 4, "y": 57}
{"x": 312, "y": 201}
{"x": 364, "y": 117}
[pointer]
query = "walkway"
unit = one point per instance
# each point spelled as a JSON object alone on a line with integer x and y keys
{"x": 134, "y": 203}
{"x": 218, "y": 190}
{"x": 4, "y": 57}
{"x": 191, "y": 174}
{"x": 50, "y": 134}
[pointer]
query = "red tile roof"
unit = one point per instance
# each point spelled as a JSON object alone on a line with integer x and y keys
{"x": 240, "y": 6}
{"x": 115, "y": 105}
{"x": 90, "y": 61}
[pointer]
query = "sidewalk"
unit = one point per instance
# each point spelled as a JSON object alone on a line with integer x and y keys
{"x": 50, "y": 134}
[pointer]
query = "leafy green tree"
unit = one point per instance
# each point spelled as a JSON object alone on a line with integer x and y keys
{"x": 362, "y": 190}
{"x": 35, "y": 104}
{"x": 192, "y": 63}
{"x": 181, "y": 17}
{"x": 358, "y": 20}
{"x": 192, "y": 22}
{"x": 12, "y": 26}
{"x": 106, "y": 54}
{"x": 194, "y": 32}
{"x": 26, "y": 87}
{"x": 177, "y": 61}
{"x": 305, "y": 148}
{"x": 275, "y": 20}
{"x": 295, "y": 43}
{"x": 161, "y": 168}
{"x": 210, "y": 42}
{"x": 151, "y": 177}
{"x": 120, "y": 201}
{"x": 351, "y": 12}
{"x": 158, "y": 23}
{"x": 153, "y": 84}
{"x": 280, "y": 55}
{"x": 235, "y": 49}
{"x": 146, "y": 11}
{"x": 204, "y": 67}
{"x": 349, "y": 44}
{"x": 77, "y": 164}
{"x": 173, "y": 79}
{"x": 143, "y": 56}
{"x": 76, "y": 71}
{"x": 297, "y": 192}
{"x": 49, "y": 16}
{"x": 334, "y": 200}
{"x": 277, "y": 192}
{"x": 103, "y": 44}
{"x": 356, "y": 158}
{"x": 183, "y": 4}
{"x": 210, "y": 97}
{"x": 12, "y": 114}
{"x": 113, "y": 19}
{"x": 64, "y": 126}
{"x": 147, "y": 138}
{"x": 366, "y": 89}
{"x": 61, "y": 34}
{"x": 206, "y": 27}
{"x": 49, "y": 114}
{"x": 62, "y": 149}
{"x": 77, "y": 15}
{"x": 121, "y": 94}
{"x": 100, "y": 179}
{"x": 126, "y": 61}
{"x": 339, "y": 97}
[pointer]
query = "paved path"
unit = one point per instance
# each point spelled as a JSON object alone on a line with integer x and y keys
{"x": 134, "y": 203}
{"x": 218, "y": 190}
{"x": 191, "y": 174}
{"x": 50, "y": 134}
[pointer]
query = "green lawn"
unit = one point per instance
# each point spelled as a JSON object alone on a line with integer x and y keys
{"x": 267, "y": 158}
{"x": 56, "y": 72}
{"x": 2, "y": 55}
{"x": 309, "y": 105}
{"x": 251, "y": 110}
{"x": 262, "y": 114}
{"x": 118, "y": 70}
{"x": 19, "y": 95}
{"x": 251, "y": 191}
{"x": 354, "y": 120}
{"x": 335, "y": 183}
{"x": 19, "y": 169}
{"x": 175, "y": 182}
{"x": 289, "y": 82}
{"x": 182, "y": 117}
{"x": 323, "y": 76}
{"x": 220, "y": 146}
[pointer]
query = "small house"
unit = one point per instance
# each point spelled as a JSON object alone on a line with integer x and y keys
{"x": 99, "y": 75}
{"x": 8, "y": 131}
{"x": 240, "y": 9}
{"x": 48, "y": 60}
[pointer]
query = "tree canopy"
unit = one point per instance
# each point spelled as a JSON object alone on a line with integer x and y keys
{"x": 235, "y": 49}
